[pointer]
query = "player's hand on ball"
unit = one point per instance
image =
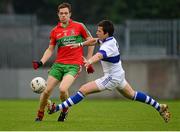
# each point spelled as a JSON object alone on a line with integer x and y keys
{"x": 36, "y": 64}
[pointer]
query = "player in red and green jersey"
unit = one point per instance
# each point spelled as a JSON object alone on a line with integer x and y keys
{"x": 68, "y": 61}
{"x": 75, "y": 32}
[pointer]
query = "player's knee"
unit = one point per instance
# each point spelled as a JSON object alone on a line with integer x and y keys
{"x": 63, "y": 91}
{"x": 63, "y": 94}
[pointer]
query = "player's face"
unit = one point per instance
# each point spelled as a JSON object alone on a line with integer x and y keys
{"x": 100, "y": 33}
{"x": 64, "y": 15}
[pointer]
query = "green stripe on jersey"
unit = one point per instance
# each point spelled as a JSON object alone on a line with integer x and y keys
{"x": 69, "y": 40}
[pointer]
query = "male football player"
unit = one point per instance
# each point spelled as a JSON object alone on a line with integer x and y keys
{"x": 114, "y": 75}
{"x": 68, "y": 61}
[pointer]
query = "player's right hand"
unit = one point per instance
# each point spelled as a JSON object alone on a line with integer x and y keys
{"x": 90, "y": 69}
{"x": 36, "y": 64}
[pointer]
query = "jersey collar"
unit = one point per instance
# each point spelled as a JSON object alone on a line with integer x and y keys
{"x": 106, "y": 39}
{"x": 60, "y": 24}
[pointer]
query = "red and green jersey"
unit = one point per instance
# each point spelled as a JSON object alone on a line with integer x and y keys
{"x": 75, "y": 32}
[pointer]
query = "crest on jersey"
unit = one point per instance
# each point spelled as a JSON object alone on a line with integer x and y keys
{"x": 72, "y": 32}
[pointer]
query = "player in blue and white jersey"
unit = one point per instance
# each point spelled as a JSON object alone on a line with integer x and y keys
{"x": 114, "y": 75}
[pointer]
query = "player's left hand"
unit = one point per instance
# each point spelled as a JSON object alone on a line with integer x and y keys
{"x": 36, "y": 64}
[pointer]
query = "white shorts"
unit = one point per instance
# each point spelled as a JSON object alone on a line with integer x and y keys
{"x": 110, "y": 82}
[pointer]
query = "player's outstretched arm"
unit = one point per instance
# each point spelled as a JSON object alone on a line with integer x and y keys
{"x": 89, "y": 42}
{"x": 97, "y": 57}
{"x": 47, "y": 54}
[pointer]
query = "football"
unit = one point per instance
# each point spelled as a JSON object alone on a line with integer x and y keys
{"x": 38, "y": 84}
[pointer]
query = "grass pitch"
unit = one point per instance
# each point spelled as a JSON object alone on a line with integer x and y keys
{"x": 89, "y": 115}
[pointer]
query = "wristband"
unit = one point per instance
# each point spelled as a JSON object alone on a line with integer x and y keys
{"x": 40, "y": 63}
{"x": 81, "y": 44}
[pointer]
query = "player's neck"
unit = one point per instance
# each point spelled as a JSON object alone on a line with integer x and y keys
{"x": 65, "y": 24}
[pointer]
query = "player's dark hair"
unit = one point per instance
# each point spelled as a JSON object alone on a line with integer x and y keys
{"x": 64, "y": 5}
{"x": 107, "y": 27}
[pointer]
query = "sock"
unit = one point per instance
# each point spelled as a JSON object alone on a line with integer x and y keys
{"x": 40, "y": 114}
{"x": 64, "y": 99}
{"x": 70, "y": 101}
{"x": 142, "y": 97}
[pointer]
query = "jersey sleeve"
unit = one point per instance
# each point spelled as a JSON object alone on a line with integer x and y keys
{"x": 52, "y": 38}
{"x": 106, "y": 51}
{"x": 84, "y": 31}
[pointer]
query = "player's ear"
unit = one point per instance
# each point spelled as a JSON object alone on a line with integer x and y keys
{"x": 106, "y": 34}
{"x": 70, "y": 14}
{"x": 58, "y": 14}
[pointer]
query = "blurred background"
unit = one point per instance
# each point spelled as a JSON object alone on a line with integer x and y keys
{"x": 148, "y": 33}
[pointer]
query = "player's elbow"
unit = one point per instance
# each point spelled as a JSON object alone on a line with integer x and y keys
{"x": 50, "y": 48}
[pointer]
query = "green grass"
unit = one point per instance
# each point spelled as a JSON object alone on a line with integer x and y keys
{"x": 96, "y": 115}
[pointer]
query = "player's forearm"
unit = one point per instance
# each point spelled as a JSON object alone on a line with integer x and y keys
{"x": 89, "y": 42}
{"x": 47, "y": 54}
{"x": 97, "y": 57}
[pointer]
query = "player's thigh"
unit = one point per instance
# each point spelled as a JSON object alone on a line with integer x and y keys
{"x": 56, "y": 71}
{"x": 106, "y": 82}
{"x": 88, "y": 88}
{"x": 51, "y": 83}
{"x": 66, "y": 82}
{"x": 71, "y": 72}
